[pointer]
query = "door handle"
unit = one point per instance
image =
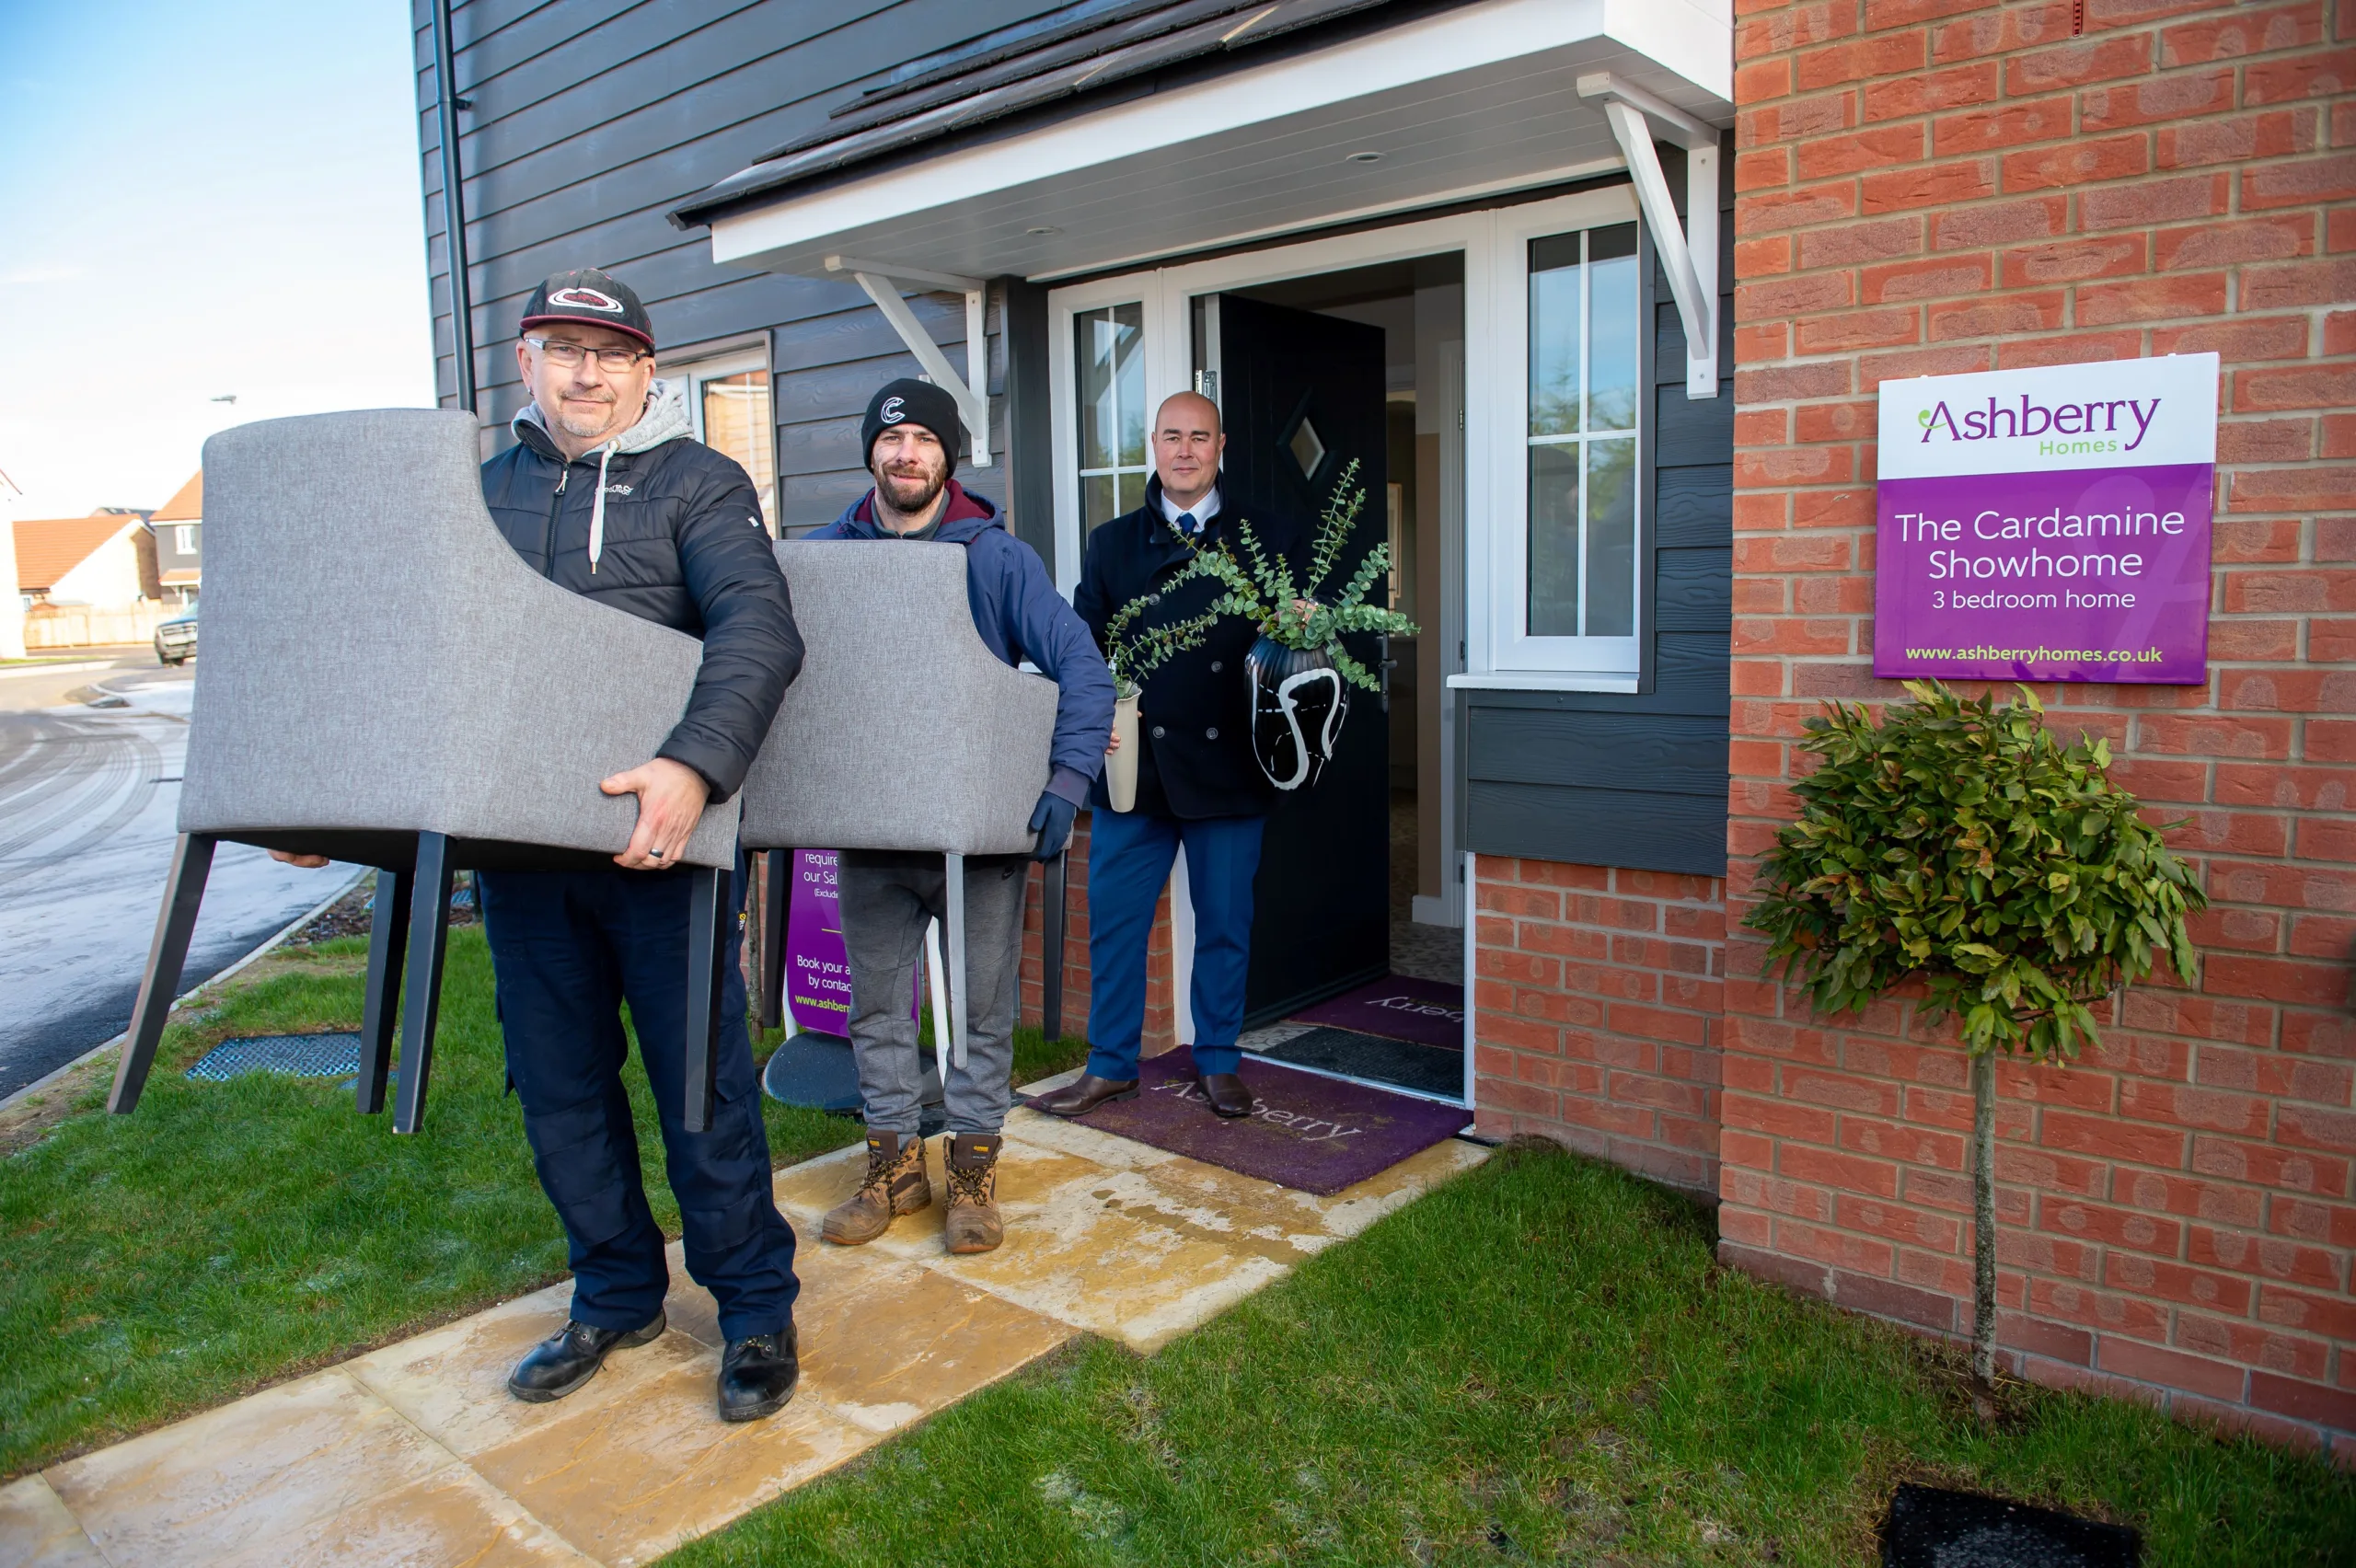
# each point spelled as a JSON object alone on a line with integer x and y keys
{"x": 1384, "y": 668}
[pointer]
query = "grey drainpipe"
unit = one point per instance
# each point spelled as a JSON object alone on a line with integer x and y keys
{"x": 454, "y": 208}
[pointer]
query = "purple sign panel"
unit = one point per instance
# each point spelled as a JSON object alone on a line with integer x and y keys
{"x": 2048, "y": 525}
{"x": 817, "y": 973}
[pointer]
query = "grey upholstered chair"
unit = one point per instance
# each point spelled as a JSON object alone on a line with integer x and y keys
{"x": 385, "y": 681}
{"x": 902, "y": 733}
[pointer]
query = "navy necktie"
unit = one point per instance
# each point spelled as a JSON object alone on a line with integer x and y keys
{"x": 1186, "y": 524}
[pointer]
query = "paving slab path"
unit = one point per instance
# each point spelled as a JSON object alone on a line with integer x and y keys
{"x": 415, "y": 1454}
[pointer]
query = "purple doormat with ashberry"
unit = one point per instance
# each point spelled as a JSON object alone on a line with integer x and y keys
{"x": 1397, "y": 1007}
{"x": 1317, "y": 1134}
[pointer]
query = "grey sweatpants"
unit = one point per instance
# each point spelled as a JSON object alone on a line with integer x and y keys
{"x": 886, "y": 899}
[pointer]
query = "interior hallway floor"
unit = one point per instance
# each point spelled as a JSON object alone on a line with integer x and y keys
{"x": 415, "y": 1454}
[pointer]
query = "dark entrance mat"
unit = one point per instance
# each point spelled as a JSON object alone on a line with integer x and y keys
{"x": 1427, "y": 1069}
{"x": 1313, "y": 1134}
{"x": 297, "y": 1056}
{"x": 1929, "y": 1528}
{"x": 1398, "y": 1007}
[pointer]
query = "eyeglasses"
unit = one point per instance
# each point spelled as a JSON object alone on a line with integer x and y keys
{"x": 564, "y": 355}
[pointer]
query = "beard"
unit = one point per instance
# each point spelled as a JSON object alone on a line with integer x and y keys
{"x": 581, "y": 429}
{"x": 912, "y": 493}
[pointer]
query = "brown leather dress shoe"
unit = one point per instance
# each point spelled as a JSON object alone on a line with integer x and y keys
{"x": 1085, "y": 1094}
{"x": 1226, "y": 1092}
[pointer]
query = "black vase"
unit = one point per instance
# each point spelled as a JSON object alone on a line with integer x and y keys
{"x": 1298, "y": 701}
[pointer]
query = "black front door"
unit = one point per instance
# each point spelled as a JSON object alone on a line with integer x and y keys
{"x": 1301, "y": 395}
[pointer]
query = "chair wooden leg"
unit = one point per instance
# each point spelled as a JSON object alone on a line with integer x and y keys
{"x": 387, "y": 945}
{"x": 175, "y": 923}
{"x": 429, "y": 932}
{"x": 777, "y": 911}
{"x": 953, "y": 895}
{"x": 708, "y": 916}
{"x": 1054, "y": 889}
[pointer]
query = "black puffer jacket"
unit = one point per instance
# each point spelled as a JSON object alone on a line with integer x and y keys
{"x": 683, "y": 546}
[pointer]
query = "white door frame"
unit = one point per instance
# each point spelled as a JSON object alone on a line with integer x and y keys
{"x": 1488, "y": 462}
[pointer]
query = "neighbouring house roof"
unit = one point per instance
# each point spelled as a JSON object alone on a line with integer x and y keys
{"x": 49, "y": 548}
{"x": 187, "y": 504}
{"x": 1079, "y": 49}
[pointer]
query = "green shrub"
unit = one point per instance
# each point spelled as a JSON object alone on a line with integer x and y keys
{"x": 1959, "y": 841}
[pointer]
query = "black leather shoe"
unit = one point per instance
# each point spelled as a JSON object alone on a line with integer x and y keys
{"x": 567, "y": 1359}
{"x": 1079, "y": 1098}
{"x": 757, "y": 1376}
{"x": 1226, "y": 1092}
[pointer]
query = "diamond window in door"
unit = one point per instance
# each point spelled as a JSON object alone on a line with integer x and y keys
{"x": 1308, "y": 450}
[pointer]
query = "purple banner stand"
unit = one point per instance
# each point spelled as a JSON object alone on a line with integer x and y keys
{"x": 818, "y": 973}
{"x": 818, "y": 970}
{"x": 2047, "y": 524}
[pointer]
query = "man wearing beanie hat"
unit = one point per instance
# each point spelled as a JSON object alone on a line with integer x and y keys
{"x": 908, "y": 440}
{"x": 606, "y": 494}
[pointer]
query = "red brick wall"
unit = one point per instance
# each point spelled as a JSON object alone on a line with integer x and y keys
{"x": 1598, "y": 995}
{"x": 1929, "y": 186}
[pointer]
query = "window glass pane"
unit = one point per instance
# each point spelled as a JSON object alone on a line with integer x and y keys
{"x": 1612, "y": 325}
{"x": 1109, "y": 344}
{"x": 736, "y": 421}
{"x": 1585, "y": 399}
{"x": 1098, "y": 502}
{"x": 1612, "y": 537}
{"x": 1554, "y": 540}
{"x": 1130, "y": 376}
{"x": 1554, "y": 335}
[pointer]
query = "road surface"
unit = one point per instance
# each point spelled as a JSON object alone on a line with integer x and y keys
{"x": 87, "y": 801}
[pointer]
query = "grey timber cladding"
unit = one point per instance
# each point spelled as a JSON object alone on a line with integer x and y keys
{"x": 592, "y": 119}
{"x": 1640, "y": 779}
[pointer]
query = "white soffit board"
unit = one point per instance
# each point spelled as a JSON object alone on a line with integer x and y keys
{"x": 1464, "y": 103}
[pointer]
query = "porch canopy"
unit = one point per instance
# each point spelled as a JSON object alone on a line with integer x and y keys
{"x": 1107, "y": 133}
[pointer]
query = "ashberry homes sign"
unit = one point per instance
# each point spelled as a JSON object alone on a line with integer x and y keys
{"x": 2048, "y": 525}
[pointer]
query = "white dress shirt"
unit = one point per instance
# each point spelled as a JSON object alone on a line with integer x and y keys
{"x": 1203, "y": 509}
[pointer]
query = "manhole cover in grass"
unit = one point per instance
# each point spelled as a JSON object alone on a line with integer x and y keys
{"x": 298, "y": 1056}
{"x": 1929, "y": 1528}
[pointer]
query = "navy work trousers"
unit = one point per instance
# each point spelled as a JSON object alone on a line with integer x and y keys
{"x": 1130, "y": 856}
{"x": 569, "y": 948}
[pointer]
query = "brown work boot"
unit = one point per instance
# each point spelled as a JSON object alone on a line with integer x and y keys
{"x": 970, "y": 1162}
{"x": 895, "y": 1184}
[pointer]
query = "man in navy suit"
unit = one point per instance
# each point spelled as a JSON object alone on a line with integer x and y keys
{"x": 1200, "y": 788}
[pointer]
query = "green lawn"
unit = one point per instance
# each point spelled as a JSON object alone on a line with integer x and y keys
{"x": 226, "y": 1236}
{"x": 1540, "y": 1363}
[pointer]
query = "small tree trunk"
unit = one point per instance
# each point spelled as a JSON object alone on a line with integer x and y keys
{"x": 1983, "y": 1220}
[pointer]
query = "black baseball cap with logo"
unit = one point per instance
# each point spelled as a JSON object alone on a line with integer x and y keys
{"x": 592, "y": 296}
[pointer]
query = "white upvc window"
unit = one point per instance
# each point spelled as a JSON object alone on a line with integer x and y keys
{"x": 1109, "y": 398}
{"x": 1109, "y": 359}
{"x": 184, "y": 539}
{"x": 728, "y": 399}
{"x": 1563, "y": 603}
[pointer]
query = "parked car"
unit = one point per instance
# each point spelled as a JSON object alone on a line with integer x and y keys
{"x": 176, "y": 638}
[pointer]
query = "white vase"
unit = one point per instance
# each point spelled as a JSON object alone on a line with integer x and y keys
{"x": 1121, "y": 766}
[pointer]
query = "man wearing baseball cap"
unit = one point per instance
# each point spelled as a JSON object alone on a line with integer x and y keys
{"x": 606, "y": 494}
{"x": 908, "y": 442}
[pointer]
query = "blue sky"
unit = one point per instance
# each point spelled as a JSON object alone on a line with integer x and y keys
{"x": 198, "y": 200}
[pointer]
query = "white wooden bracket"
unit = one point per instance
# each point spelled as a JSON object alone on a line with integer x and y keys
{"x": 882, "y": 279}
{"x": 1688, "y": 254}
